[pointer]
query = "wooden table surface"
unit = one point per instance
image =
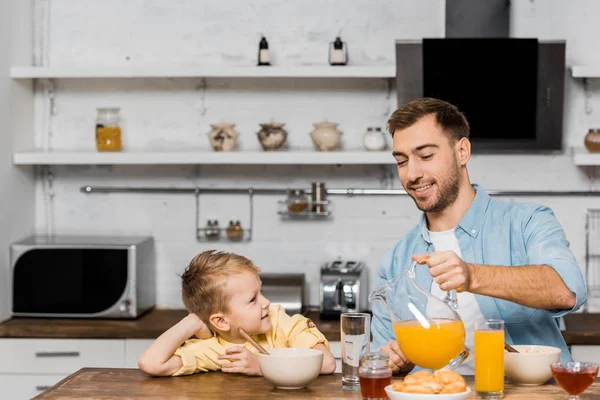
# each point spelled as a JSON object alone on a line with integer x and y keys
{"x": 105, "y": 383}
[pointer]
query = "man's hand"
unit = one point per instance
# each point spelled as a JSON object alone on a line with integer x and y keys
{"x": 201, "y": 331}
{"x": 243, "y": 361}
{"x": 447, "y": 269}
{"x": 398, "y": 362}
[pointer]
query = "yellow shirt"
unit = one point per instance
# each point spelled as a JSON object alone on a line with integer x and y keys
{"x": 200, "y": 355}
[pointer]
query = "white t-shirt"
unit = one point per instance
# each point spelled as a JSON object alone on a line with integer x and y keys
{"x": 468, "y": 308}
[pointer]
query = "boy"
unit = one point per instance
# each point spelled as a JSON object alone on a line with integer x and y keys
{"x": 222, "y": 292}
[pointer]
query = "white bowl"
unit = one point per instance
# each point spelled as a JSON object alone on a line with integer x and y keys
{"x": 531, "y": 365}
{"x": 291, "y": 368}
{"x": 393, "y": 395}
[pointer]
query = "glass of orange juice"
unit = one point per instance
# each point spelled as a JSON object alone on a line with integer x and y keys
{"x": 489, "y": 358}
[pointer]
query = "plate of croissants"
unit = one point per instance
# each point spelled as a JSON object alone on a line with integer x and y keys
{"x": 424, "y": 385}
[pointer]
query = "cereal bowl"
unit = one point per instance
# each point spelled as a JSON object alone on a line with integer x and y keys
{"x": 531, "y": 365}
{"x": 291, "y": 368}
{"x": 394, "y": 395}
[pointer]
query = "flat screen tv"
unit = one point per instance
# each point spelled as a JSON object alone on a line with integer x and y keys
{"x": 511, "y": 90}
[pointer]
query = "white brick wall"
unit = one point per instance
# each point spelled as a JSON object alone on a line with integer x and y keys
{"x": 176, "y": 113}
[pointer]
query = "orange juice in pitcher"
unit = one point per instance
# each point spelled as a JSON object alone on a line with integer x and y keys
{"x": 428, "y": 330}
{"x": 431, "y": 346}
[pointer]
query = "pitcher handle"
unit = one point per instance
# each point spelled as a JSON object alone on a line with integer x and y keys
{"x": 452, "y": 299}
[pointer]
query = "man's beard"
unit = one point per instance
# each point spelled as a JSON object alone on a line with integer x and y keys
{"x": 447, "y": 191}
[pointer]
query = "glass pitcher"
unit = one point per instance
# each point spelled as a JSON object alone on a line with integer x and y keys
{"x": 429, "y": 331}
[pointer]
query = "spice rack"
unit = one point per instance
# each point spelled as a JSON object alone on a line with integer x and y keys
{"x": 221, "y": 234}
{"x": 312, "y": 210}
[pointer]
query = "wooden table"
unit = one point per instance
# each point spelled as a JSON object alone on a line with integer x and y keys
{"x": 99, "y": 383}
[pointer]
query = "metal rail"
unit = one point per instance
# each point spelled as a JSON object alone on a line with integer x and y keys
{"x": 339, "y": 192}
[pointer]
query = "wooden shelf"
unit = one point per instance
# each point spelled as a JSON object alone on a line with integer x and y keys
{"x": 318, "y": 71}
{"x": 202, "y": 157}
{"x": 585, "y": 71}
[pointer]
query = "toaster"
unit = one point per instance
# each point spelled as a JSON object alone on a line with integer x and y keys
{"x": 343, "y": 288}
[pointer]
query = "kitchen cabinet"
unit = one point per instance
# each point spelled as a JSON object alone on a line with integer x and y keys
{"x": 27, "y": 386}
{"x": 30, "y": 366}
{"x": 133, "y": 350}
{"x": 336, "y": 350}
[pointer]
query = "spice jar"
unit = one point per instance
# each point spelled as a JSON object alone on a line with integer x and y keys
{"x": 234, "y": 230}
{"x": 212, "y": 231}
{"x": 108, "y": 132}
{"x": 297, "y": 201}
{"x": 374, "y": 375}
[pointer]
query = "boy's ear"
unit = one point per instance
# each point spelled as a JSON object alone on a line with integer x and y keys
{"x": 220, "y": 322}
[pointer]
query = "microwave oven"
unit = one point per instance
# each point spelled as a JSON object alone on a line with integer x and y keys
{"x": 82, "y": 276}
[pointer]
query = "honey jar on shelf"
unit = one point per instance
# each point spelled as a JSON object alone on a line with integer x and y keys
{"x": 108, "y": 131}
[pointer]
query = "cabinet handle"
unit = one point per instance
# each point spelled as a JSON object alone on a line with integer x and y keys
{"x": 42, "y": 388}
{"x": 41, "y": 354}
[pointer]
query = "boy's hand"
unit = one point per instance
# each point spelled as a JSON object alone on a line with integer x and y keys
{"x": 201, "y": 331}
{"x": 243, "y": 361}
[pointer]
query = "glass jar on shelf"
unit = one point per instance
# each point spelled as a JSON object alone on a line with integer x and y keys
{"x": 108, "y": 131}
{"x": 297, "y": 201}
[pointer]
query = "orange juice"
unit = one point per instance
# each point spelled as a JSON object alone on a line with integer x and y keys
{"x": 432, "y": 347}
{"x": 489, "y": 360}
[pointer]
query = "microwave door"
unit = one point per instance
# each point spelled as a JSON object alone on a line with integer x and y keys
{"x": 68, "y": 281}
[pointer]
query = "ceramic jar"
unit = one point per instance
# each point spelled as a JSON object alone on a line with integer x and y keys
{"x": 592, "y": 140}
{"x": 374, "y": 139}
{"x": 223, "y": 137}
{"x": 326, "y": 136}
{"x": 272, "y": 136}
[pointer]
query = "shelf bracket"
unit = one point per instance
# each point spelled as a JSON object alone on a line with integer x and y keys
{"x": 587, "y": 97}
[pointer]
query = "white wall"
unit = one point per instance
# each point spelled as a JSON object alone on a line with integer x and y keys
{"x": 16, "y": 185}
{"x": 176, "y": 113}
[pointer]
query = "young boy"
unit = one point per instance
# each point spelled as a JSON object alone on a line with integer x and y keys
{"x": 222, "y": 292}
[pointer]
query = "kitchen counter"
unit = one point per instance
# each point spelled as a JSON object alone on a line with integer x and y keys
{"x": 581, "y": 328}
{"x": 131, "y": 383}
{"x": 149, "y": 326}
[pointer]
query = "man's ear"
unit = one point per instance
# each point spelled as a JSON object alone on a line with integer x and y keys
{"x": 463, "y": 146}
{"x": 220, "y": 322}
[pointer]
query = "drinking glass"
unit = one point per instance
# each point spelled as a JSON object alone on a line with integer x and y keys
{"x": 574, "y": 377}
{"x": 355, "y": 336}
{"x": 489, "y": 358}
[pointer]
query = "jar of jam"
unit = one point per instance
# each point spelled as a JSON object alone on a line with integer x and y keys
{"x": 108, "y": 132}
{"x": 297, "y": 201}
{"x": 374, "y": 375}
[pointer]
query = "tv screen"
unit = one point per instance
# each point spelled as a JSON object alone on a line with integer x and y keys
{"x": 492, "y": 81}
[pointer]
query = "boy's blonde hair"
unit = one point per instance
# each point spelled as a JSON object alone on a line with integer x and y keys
{"x": 203, "y": 281}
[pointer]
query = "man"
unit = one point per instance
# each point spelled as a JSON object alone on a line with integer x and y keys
{"x": 506, "y": 260}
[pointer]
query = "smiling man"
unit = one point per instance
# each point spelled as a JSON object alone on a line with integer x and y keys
{"x": 506, "y": 260}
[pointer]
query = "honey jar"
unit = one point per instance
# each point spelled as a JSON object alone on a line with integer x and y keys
{"x": 108, "y": 131}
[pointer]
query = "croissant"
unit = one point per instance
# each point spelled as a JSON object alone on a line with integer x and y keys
{"x": 425, "y": 382}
